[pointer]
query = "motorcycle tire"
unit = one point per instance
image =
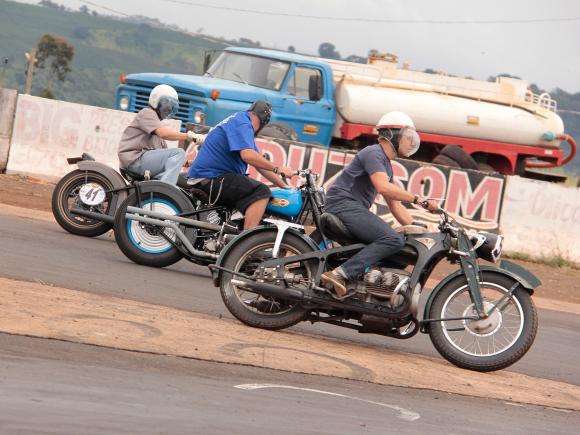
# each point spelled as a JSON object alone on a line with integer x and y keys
{"x": 143, "y": 243}
{"x": 454, "y": 339}
{"x": 250, "y": 312}
{"x": 68, "y": 188}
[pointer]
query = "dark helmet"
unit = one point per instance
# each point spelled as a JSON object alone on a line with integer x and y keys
{"x": 263, "y": 111}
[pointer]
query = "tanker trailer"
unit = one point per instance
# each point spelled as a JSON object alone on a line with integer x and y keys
{"x": 500, "y": 124}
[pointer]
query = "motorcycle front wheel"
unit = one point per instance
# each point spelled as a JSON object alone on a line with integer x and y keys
{"x": 256, "y": 310}
{"x": 488, "y": 344}
{"x": 147, "y": 244}
{"x": 67, "y": 195}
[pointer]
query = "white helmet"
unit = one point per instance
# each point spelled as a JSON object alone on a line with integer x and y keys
{"x": 395, "y": 120}
{"x": 164, "y": 100}
{"x": 399, "y": 129}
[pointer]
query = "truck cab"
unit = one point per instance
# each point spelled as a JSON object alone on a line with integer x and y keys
{"x": 299, "y": 88}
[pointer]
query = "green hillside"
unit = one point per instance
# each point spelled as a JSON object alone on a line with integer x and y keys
{"x": 106, "y": 47}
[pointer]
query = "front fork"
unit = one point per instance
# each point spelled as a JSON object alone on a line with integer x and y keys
{"x": 468, "y": 260}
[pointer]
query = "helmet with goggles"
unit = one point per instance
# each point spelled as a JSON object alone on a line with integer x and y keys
{"x": 398, "y": 128}
{"x": 263, "y": 110}
{"x": 164, "y": 100}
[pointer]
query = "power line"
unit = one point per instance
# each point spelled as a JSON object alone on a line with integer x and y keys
{"x": 106, "y": 8}
{"x": 374, "y": 20}
{"x": 346, "y": 19}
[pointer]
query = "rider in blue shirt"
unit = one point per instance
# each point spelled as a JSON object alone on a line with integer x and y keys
{"x": 220, "y": 167}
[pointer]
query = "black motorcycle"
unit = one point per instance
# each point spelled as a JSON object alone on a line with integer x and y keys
{"x": 480, "y": 317}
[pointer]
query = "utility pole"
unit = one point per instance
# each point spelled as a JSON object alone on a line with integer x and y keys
{"x": 31, "y": 56}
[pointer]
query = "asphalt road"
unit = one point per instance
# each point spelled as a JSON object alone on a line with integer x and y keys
{"x": 54, "y": 387}
{"x": 41, "y": 251}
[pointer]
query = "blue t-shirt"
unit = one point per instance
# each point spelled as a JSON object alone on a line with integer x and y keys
{"x": 355, "y": 182}
{"x": 220, "y": 152}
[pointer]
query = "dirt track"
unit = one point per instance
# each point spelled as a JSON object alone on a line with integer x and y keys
{"x": 37, "y": 310}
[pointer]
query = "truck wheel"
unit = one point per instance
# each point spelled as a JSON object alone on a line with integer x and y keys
{"x": 445, "y": 161}
{"x": 279, "y": 130}
{"x": 484, "y": 167}
{"x": 455, "y": 152}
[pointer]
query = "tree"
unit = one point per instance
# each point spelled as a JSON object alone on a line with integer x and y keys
{"x": 291, "y": 49}
{"x": 355, "y": 58}
{"x": 83, "y": 9}
{"x": 56, "y": 53}
{"x": 328, "y": 51}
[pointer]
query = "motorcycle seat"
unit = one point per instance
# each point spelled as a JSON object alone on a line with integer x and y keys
{"x": 334, "y": 229}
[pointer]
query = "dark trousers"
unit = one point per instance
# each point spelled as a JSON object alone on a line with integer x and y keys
{"x": 366, "y": 227}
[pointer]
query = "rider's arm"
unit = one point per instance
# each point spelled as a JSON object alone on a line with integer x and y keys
{"x": 169, "y": 133}
{"x": 254, "y": 158}
{"x": 273, "y": 178}
{"x": 400, "y": 212}
{"x": 391, "y": 192}
{"x": 388, "y": 190}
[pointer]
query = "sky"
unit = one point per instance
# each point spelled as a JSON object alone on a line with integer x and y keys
{"x": 465, "y": 38}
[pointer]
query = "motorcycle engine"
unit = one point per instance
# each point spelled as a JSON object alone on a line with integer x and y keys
{"x": 382, "y": 282}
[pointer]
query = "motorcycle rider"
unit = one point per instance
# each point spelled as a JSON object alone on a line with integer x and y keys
{"x": 143, "y": 146}
{"x": 219, "y": 169}
{"x": 354, "y": 191}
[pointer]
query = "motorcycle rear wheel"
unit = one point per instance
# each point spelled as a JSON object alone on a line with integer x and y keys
{"x": 251, "y": 308}
{"x": 488, "y": 344}
{"x": 66, "y": 196}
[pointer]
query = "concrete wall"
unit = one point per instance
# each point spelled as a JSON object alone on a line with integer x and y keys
{"x": 8, "y": 99}
{"x": 46, "y": 132}
{"x": 537, "y": 218}
{"x": 541, "y": 219}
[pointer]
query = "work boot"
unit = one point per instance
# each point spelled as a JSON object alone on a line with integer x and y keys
{"x": 337, "y": 281}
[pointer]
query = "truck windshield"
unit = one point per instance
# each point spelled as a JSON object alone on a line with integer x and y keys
{"x": 251, "y": 70}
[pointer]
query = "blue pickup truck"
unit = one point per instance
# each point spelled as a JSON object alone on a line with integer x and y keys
{"x": 300, "y": 89}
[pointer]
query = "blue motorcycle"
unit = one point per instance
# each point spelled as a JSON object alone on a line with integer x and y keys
{"x": 159, "y": 224}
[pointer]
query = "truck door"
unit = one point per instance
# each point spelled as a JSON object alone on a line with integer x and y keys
{"x": 307, "y": 108}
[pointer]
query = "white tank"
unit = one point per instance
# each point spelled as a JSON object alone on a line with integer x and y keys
{"x": 504, "y": 111}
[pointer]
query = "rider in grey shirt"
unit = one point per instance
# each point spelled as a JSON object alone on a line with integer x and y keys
{"x": 355, "y": 189}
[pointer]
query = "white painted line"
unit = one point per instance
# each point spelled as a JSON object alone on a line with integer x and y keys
{"x": 404, "y": 414}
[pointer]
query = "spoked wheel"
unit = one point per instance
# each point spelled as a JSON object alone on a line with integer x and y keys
{"x": 85, "y": 190}
{"x": 264, "y": 311}
{"x": 488, "y": 344}
{"x": 147, "y": 244}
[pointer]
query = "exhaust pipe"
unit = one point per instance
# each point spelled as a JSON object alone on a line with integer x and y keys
{"x": 91, "y": 214}
{"x": 181, "y": 220}
{"x": 178, "y": 233}
{"x": 286, "y": 293}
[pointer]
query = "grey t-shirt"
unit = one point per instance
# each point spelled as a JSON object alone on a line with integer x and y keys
{"x": 355, "y": 182}
{"x": 138, "y": 137}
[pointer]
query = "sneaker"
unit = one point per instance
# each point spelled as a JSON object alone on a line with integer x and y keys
{"x": 337, "y": 281}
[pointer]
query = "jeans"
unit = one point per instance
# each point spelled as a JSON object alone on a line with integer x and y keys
{"x": 366, "y": 227}
{"x": 164, "y": 164}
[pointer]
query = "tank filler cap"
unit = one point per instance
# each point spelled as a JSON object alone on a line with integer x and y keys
{"x": 549, "y": 136}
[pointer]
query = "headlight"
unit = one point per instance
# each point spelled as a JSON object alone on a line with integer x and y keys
{"x": 488, "y": 246}
{"x": 199, "y": 117}
{"x": 124, "y": 102}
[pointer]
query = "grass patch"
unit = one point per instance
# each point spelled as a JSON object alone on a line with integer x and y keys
{"x": 554, "y": 261}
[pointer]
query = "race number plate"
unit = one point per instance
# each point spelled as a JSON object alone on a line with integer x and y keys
{"x": 92, "y": 194}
